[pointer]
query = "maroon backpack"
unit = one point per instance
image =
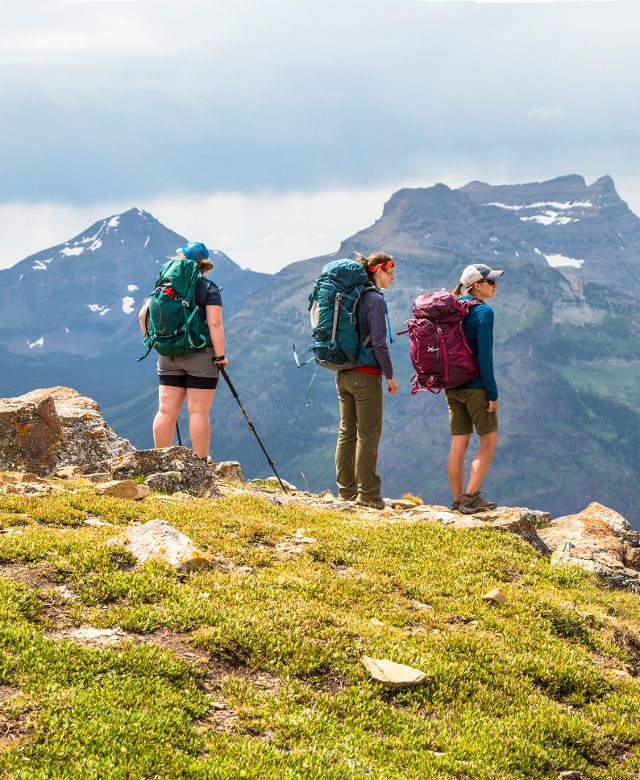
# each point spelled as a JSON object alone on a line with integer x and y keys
{"x": 439, "y": 350}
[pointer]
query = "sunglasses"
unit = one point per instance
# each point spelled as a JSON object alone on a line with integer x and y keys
{"x": 492, "y": 282}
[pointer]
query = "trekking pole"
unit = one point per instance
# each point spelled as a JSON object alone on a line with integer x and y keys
{"x": 251, "y": 426}
{"x": 178, "y": 433}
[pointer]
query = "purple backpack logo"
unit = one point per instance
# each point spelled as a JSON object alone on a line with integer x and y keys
{"x": 439, "y": 350}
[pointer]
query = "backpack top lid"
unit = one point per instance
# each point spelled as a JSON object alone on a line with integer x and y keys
{"x": 441, "y": 306}
{"x": 344, "y": 273}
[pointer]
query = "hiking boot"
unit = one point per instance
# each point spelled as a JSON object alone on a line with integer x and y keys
{"x": 376, "y": 503}
{"x": 470, "y": 503}
{"x": 455, "y": 506}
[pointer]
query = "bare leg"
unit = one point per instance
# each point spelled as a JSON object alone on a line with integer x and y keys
{"x": 455, "y": 464}
{"x": 199, "y": 405}
{"x": 482, "y": 461}
{"x": 164, "y": 424}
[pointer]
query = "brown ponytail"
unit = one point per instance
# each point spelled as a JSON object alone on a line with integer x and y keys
{"x": 457, "y": 290}
{"x": 205, "y": 266}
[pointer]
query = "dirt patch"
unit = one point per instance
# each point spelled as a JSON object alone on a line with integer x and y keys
{"x": 34, "y": 577}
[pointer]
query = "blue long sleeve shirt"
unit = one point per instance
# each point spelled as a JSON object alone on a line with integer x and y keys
{"x": 478, "y": 330}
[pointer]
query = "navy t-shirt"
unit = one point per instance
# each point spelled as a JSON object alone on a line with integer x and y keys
{"x": 207, "y": 294}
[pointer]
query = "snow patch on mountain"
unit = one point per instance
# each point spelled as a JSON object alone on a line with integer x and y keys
{"x": 37, "y": 343}
{"x": 554, "y": 204}
{"x": 96, "y": 245}
{"x": 549, "y": 218}
{"x": 146, "y": 242}
{"x": 127, "y": 304}
{"x": 114, "y": 221}
{"x": 41, "y": 265}
{"x": 560, "y": 261}
{"x": 72, "y": 250}
{"x": 95, "y": 307}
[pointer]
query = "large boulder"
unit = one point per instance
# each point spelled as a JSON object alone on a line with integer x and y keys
{"x": 30, "y": 434}
{"x": 196, "y": 473}
{"x": 45, "y": 430}
{"x": 598, "y": 540}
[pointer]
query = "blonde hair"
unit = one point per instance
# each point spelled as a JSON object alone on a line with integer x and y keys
{"x": 204, "y": 266}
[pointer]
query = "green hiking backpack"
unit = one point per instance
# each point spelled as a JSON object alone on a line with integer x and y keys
{"x": 173, "y": 324}
{"x": 333, "y": 305}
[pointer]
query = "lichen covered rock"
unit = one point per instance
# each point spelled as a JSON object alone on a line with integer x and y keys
{"x": 196, "y": 473}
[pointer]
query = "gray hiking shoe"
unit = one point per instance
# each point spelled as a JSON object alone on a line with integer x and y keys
{"x": 470, "y": 503}
{"x": 455, "y": 506}
{"x": 373, "y": 504}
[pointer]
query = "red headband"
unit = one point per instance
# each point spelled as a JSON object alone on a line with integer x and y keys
{"x": 384, "y": 265}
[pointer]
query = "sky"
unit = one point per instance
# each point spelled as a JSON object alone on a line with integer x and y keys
{"x": 272, "y": 131}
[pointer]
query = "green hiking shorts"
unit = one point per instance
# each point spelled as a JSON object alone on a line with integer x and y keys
{"x": 468, "y": 410}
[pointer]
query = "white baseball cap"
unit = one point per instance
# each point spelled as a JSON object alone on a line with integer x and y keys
{"x": 478, "y": 272}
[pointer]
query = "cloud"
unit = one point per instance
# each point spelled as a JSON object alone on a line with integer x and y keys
{"x": 545, "y": 113}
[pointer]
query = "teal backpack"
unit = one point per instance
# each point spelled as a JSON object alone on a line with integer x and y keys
{"x": 333, "y": 305}
{"x": 173, "y": 324}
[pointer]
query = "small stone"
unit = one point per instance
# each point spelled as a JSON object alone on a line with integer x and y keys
{"x": 67, "y": 471}
{"x": 420, "y": 605}
{"x": 119, "y": 488}
{"x": 571, "y": 774}
{"x": 95, "y": 521}
{"x": 159, "y": 539}
{"x": 393, "y": 674}
{"x": 401, "y": 503}
{"x": 376, "y": 622}
{"x": 97, "y": 476}
{"x": 167, "y": 482}
{"x": 99, "y": 636}
{"x": 65, "y": 593}
{"x": 181, "y": 495}
{"x": 218, "y": 705}
{"x": 496, "y": 595}
{"x": 327, "y": 498}
{"x": 300, "y": 533}
{"x": 229, "y": 470}
{"x": 325, "y": 493}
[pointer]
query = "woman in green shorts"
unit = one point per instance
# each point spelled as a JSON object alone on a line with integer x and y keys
{"x": 474, "y": 404}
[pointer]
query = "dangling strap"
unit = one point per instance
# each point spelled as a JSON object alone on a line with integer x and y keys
{"x": 295, "y": 357}
{"x": 307, "y": 401}
{"x": 149, "y": 342}
{"x": 391, "y": 339}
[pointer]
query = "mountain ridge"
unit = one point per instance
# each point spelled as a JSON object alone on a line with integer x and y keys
{"x": 566, "y": 358}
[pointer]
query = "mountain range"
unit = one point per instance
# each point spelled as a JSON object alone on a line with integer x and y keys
{"x": 566, "y": 339}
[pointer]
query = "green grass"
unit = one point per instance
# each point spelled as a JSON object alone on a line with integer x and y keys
{"x": 543, "y": 683}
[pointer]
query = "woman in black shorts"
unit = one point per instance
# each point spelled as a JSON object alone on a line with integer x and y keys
{"x": 194, "y": 376}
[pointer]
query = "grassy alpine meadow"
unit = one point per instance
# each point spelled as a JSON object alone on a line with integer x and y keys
{"x": 253, "y": 668}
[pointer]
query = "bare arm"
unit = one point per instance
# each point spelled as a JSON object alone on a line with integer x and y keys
{"x": 216, "y": 331}
{"x": 142, "y": 318}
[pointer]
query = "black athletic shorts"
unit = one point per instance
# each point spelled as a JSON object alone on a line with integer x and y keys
{"x": 196, "y": 370}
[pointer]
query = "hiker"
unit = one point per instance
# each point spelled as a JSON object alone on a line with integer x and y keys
{"x": 475, "y": 403}
{"x": 193, "y": 376}
{"x": 360, "y": 392}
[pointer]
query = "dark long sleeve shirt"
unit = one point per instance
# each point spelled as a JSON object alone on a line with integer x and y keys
{"x": 478, "y": 330}
{"x": 373, "y": 322}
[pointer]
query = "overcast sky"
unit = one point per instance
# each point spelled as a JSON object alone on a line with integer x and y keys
{"x": 272, "y": 130}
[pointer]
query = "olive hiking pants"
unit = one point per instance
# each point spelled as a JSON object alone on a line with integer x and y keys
{"x": 360, "y": 398}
